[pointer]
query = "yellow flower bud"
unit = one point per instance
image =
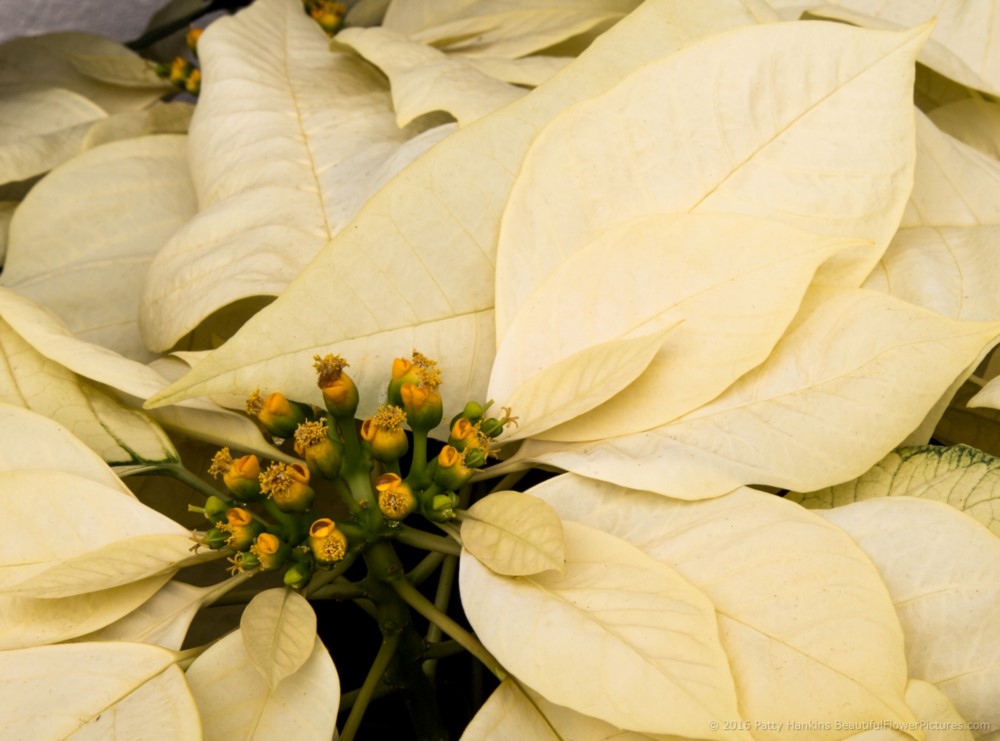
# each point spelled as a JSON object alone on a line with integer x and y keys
{"x": 384, "y": 432}
{"x": 288, "y": 485}
{"x": 339, "y": 392}
{"x": 328, "y": 544}
{"x": 193, "y": 82}
{"x": 451, "y": 471}
{"x": 313, "y": 443}
{"x": 423, "y": 406}
{"x": 191, "y": 39}
{"x": 463, "y": 434}
{"x": 279, "y": 416}
{"x": 395, "y": 498}
{"x": 270, "y": 552}
{"x": 241, "y": 476}
{"x": 241, "y": 528}
{"x": 419, "y": 370}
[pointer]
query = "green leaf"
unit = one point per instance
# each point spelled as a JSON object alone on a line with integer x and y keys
{"x": 279, "y": 630}
{"x": 438, "y": 230}
{"x": 965, "y": 478}
{"x": 236, "y": 701}
{"x": 645, "y": 642}
{"x": 807, "y": 626}
{"x": 118, "y": 205}
{"x": 942, "y": 569}
{"x": 285, "y": 148}
{"x": 856, "y": 372}
{"x": 514, "y": 534}
{"x": 95, "y": 690}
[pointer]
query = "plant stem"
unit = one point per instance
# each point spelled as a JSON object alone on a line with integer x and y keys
{"x": 340, "y": 591}
{"x": 441, "y": 598}
{"x": 419, "y": 459}
{"x": 288, "y": 523}
{"x": 427, "y": 566}
{"x": 383, "y": 658}
{"x": 411, "y": 595}
{"x": 179, "y": 472}
{"x": 427, "y": 541}
{"x": 508, "y": 481}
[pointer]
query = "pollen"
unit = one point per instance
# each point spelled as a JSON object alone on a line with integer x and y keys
{"x": 275, "y": 481}
{"x": 328, "y": 368}
{"x": 333, "y": 547}
{"x": 389, "y": 418}
{"x": 255, "y": 402}
{"x": 221, "y": 463}
{"x": 308, "y": 434}
{"x": 427, "y": 370}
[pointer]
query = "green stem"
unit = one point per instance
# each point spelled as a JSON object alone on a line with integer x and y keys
{"x": 323, "y": 577}
{"x": 411, "y": 596}
{"x": 288, "y": 523}
{"x": 382, "y": 660}
{"x": 441, "y": 598}
{"x": 356, "y": 464}
{"x": 179, "y": 472}
{"x": 427, "y": 566}
{"x": 339, "y": 591}
{"x": 419, "y": 462}
{"x": 427, "y": 541}
{"x": 442, "y": 650}
{"x": 344, "y": 492}
{"x": 508, "y": 481}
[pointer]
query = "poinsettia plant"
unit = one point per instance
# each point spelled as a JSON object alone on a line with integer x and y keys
{"x": 638, "y": 352}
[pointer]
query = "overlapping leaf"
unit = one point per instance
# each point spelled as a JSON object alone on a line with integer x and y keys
{"x": 95, "y": 690}
{"x": 288, "y": 141}
{"x": 808, "y": 628}
{"x": 803, "y": 419}
{"x": 164, "y": 619}
{"x": 965, "y": 45}
{"x": 965, "y": 478}
{"x": 86, "y": 260}
{"x": 975, "y": 122}
{"x": 941, "y": 568}
{"x": 645, "y": 642}
{"x": 436, "y": 223}
{"x": 514, "y": 534}
{"x": 235, "y": 701}
{"x": 279, "y": 630}
{"x": 723, "y": 286}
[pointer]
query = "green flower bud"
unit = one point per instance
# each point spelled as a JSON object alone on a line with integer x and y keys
{"x": 299, "y": 574}
{"x": 475, "y": 457}
{"x": 215, "y": 508}
{"x": 473, "y": 412}
{"x": 443, "y": 507}
{"x": 491, "y": 427}
{"x": 422, "y": 405}
{"x": 214, "y": 538}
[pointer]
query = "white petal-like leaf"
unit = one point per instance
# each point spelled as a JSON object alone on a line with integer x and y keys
{"x": 975, "y": 122}
{"x": 235, "y": 700}
{"x": 965, "y": 478}
{"x": 722, "y": 280}
{"x": 87, "y": 259}
{"x": 286, "y": 145}
{"x": 31, "y": 441}
{"x": 514, "y": 534}
{"x": 95, "y": 690}
{"x": 965, "y": 45}
{"x": 40, "y": 128}
{"x": 35, "y": 621}
{"x": 664, "y": 138}
{"x": 978, "y": 427}
{"x": 436, "y": 223}
{"x": 645, "y": 642}
{"x": 514, "y": 712}
{"x": 936, "y": 713}
{"x": 425, "y": 80}
{"x": 857, "y": 371}
{"x": 808, "y": 628}
{"x": 6, "y": 214}
{"x": 279, "y": 630}
{"x": 164, "y": 619}
{"x": 942, "y": 569}
{"x": 91, "y": 515}
{"x": 51, "y": 60}
{"x": 119, "y": 434}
